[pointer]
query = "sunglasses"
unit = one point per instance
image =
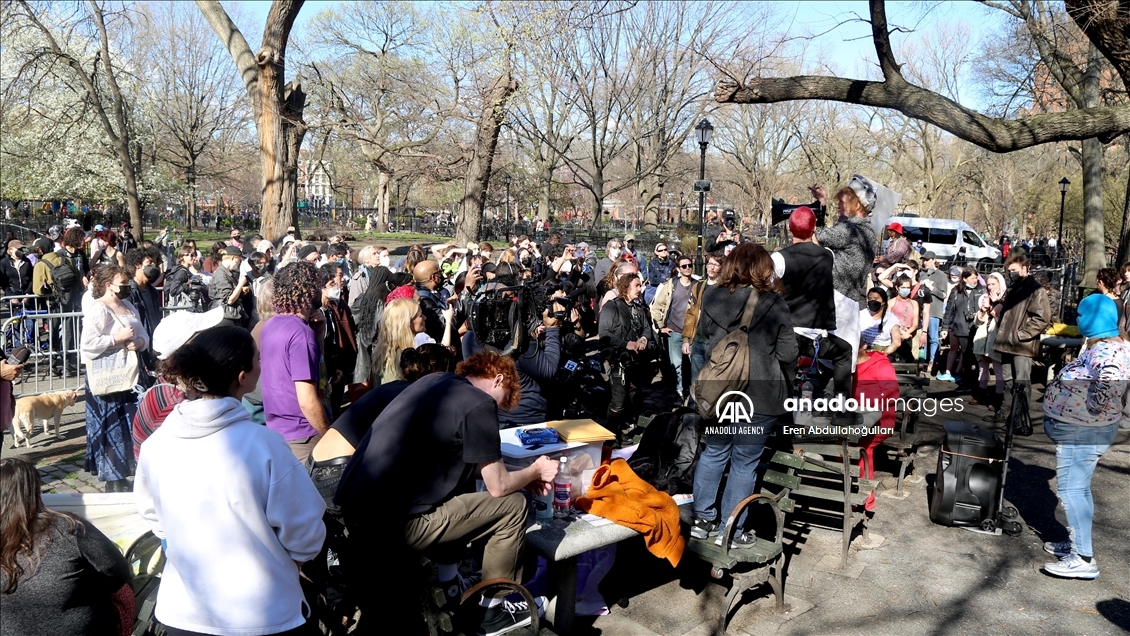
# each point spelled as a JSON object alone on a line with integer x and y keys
{"x": 660, "y": 251}
{"x": 687, "y": 266}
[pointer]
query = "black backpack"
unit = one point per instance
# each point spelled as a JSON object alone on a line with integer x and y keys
{"x": 63, "y": 275}
{"x": 669, "y": 451}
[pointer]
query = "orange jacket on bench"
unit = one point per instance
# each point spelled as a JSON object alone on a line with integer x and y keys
{"x": 619, "y": 495}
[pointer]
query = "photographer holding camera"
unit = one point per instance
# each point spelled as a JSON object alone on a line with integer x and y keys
{"x": 537, "y": 361}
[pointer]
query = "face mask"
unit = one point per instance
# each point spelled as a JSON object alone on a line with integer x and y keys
{"x": 874, "y": 306}
{"x": 384, "y": 260}
{"x": 334, "y": 293}
{"x": 953, "y": 280}
{"x": 198, "y": 264}
{"x": 904, "y": 292}
{"x": 124, "y": 292}
{"x": 341, "y": 261}
{"x": 566, "y": 267}
{"x": 614, "y": 253}
{"x": 152, "y": 272}
{"x": 1013, "y": 278}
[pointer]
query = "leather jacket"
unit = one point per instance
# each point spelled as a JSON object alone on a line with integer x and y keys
{"x": 1027, "y": 314}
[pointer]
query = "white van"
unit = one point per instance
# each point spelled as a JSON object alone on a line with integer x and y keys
{"x": 945, "y": 237}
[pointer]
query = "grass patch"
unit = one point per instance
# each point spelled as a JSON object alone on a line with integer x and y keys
{"x": 73, "y": 459}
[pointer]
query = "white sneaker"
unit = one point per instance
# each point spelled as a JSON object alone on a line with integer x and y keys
{"x": 1059, "y": 548}
{"x": 1073, "y": 567}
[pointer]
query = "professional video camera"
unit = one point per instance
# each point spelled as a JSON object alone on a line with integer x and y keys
{"x": 196, "y": 292}
{"x": 503, "y": 319}
{"x": 782, "y": 211}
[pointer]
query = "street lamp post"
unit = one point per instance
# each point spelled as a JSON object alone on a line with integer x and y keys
{"x": 399, "y": 214}
{"x": 702, "y": 132}
{"x": 1063, "y": 185}
{"x": 506, "y": 180}
{"x": 190, "y": 178}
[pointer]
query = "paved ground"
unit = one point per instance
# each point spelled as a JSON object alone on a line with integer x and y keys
{"x": 922, "y": 579}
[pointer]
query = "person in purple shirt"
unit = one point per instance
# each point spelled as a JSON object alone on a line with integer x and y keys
{"x": 293, "y": 380}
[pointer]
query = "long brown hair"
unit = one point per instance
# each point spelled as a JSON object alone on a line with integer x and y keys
{"x": 25, "y": 522}
{"x": 749, "y": 265}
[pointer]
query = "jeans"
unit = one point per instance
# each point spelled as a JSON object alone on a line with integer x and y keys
{"x": 1077, "y": 452}
{"x": 932, "y": 339}
{"x": 742, "y": 452}
{"x": 1017, "y": 370}
{"x": 675, "y": 353}
{"x": 698, "y": 358}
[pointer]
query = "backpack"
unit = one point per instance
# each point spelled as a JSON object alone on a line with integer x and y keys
{"x": 668, "y": 451}
{"x": 728, "y": 367}
{"x": 63, "y": 275}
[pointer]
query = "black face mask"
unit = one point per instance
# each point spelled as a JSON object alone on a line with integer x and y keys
{"x": 198, "y": 264}
{"x": 124, "y": 292}
{"x": 152, "y": 272}
{"x": 874, "y": 306}
{"x": 1013, "y": 278}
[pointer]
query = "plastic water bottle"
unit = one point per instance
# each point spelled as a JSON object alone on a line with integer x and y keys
{"x": 543, "y": 507}
{"x": 563, "y": 491}
{"x": 806, "y": 390}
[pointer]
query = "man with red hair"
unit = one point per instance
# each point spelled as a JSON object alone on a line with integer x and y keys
{"x": 805, "y": 270}
{"x": 411, "y": 483}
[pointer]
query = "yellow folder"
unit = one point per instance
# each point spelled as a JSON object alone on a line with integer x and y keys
{"x": 581, "y": 431}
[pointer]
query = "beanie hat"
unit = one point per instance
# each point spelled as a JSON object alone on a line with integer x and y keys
{"x": 1098, "y": 317}
{"x": 864, "y": 188}
{"x": 802, "y": 222}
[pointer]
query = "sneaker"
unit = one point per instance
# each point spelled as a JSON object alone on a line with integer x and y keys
{"x": 1073, "y": 567}
{"x": 703, "y": 529}
{"x": 505, "y": 617}
{"x": 1059, "y": 548}
{"x": 455, "y": 588}
{"x": 738, "y": 541}
{"x": 945, "y": 377}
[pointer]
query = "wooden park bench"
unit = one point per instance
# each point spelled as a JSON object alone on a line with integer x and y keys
{"x": 903, "y": 445}
{"x": 766, "y": 556}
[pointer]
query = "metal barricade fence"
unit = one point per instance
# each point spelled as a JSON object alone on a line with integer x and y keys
{"x": 55, "y": 363}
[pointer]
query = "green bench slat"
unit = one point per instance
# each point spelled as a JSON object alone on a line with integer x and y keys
{"x": 827, "y": 494}
{"x": 760, "y": 552}
{"x": 827, "y": 450}
{"x": 781, "y": 479}
{"x": 786, "y": 504}
{"x": 787, "y": 459}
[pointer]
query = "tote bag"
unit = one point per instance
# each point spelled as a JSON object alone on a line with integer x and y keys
{"x": 115, "y": 371}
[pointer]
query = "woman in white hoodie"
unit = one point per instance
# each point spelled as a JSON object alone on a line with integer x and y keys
{"x": 236, "y": 511}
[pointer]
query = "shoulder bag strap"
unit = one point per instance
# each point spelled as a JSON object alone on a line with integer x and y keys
{"x": 750, "y": 306}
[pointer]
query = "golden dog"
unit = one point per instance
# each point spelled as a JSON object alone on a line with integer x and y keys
{"x": 34, "y": 408}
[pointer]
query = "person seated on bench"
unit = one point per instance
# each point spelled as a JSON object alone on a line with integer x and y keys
{"x": 411, "y": 484}
{"x": 328, "y": 459}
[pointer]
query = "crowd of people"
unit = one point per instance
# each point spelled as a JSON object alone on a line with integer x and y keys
{"x": 310, "y": 376}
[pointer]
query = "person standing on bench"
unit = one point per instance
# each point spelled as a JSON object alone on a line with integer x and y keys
{"x": 772, "y": 362}
{"x": 805, "y": 270}
{"x": 416, "y": 466}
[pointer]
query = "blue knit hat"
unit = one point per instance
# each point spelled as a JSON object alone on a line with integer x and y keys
{"x": 1098, "y": 317}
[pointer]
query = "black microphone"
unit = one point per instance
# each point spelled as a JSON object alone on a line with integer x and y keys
{"x": 19, "y": 356}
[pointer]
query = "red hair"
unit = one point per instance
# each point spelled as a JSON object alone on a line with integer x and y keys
{"x": 488, "y": 364}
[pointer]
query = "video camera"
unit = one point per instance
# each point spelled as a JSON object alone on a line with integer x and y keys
{"x": 781, "y": 211}
{"x": 503, "y": 319}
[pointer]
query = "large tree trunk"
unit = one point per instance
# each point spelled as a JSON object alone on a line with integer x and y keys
{"x": 383, "y": 179}
{"x": 475, "y": 183}
{"x": 1094, "y": 236}
{"x": 278, "y": 107}
{"x": 1124, "y": 238}
{"x": 597, "y": 197}
{"x": 545, "y": 192}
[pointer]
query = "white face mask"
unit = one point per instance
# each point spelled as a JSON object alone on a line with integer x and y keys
{"x": 954, "y": 279}
{"x": 334, "y": 293}
{"x": 567, "y": 267}
{"x": 384, "y": 260}
{"x": 614, "y": 253}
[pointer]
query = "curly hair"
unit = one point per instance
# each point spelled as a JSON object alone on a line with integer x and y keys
{"x": 424, "y": 360}
{"x": 488, "y": 364}
{"x": 298, "y": 288}
{"x": 1109, "y": 277}
{"x": 103, "y": 276}
{"x": 395, "y": 336}
{"x": 74, "y": 237}
{"x": 851, "y": 200}
{"x": 623, "y": 283}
